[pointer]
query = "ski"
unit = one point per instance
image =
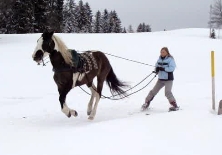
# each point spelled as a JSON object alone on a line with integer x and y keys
{"x": 151, "y": 111}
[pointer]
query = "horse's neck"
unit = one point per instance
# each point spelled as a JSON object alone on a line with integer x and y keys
{"x": 57, "y": 60}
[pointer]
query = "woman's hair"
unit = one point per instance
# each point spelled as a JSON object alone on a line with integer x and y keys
{"x": 167, "y": 50}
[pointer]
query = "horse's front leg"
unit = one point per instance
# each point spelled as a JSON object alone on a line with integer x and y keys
{"x": 65, "y": 109}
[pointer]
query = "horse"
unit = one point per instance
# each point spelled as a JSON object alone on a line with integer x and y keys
{"x": 69, "y": 73}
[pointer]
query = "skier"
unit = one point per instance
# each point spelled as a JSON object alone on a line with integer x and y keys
{"x": 165, "y": 67}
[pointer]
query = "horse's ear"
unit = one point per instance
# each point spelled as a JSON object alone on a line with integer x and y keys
{"x": 51, "y": 33}
{"x": 46, "y": 31}
{"x": 47, "y": 34}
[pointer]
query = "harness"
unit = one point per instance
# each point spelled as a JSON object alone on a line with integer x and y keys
{"x": 83, "y": 62}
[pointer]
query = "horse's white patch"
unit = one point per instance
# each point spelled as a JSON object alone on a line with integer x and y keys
{"x": 75, "y": 78}
{"x": 93, "y": 113}
{"x": 65, "y": 109}
{"x": 39, "y": 47}
{"x": 89, "y": 109}
{"x": 82, "y": 75}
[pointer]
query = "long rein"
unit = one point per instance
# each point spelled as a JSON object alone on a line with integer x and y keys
{"x": 111, "y": 97}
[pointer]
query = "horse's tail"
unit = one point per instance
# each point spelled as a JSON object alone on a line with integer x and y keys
{"x": 115, "y": 84}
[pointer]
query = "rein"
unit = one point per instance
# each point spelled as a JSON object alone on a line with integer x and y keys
{"x": 110, "y": 97}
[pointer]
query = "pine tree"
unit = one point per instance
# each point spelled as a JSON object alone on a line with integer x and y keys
{"x": 23, "y": 17}
{"x": 115, "y": 23}
{"x": 97, "y": 27}
{"x": 89, "y": 15}
{"x": 105, "y": 22}
{"x": 69, "y": 19}
{"x": 147, "y": 28}
{"x": 59, "y": 12}
{"x": 52, "y": 15}
{"x": 130, "y": 29}
{"x": 143, "y": 28}
{"x": 111, "y": 22}
{"x": 6, "y": 16}
{"x": 55, "y": 16}
{"x": 124, "y": 30}
{"x": 81, "y": 17}
{"x": 140, "y": 28}
{"x": 40, "y": 15}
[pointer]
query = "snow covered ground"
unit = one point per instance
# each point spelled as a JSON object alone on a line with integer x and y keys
{"x": 31, "y": 121}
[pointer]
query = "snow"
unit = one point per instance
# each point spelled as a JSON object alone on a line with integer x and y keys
{"x": 32, "y": 122}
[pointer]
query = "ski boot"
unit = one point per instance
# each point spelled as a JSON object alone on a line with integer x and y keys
{"x": 174, "y": 106}
{"x": 145, "y": 106}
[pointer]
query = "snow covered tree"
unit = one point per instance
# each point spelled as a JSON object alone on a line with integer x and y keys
{"x": 41, "y": 14}
{"x": 23, "y": 18}
{"x": 97, "y": 24}
{"x": 115, "y": 23}
{"x": 105, "y": 22}
{"x": 81, "y": 17}
{"x": 55, "y": 16}
{"x": 88, "y": 12}
{"x": 69, "y": 19}
{"x": 143, "y": 28}
{"x": 124, "y": 30}
{"x": 130, "y": 29}
{"x": 6, "y": 16}
{"x": 147, "y": 28}
{"x": 216, "y": 14}
{"x": 140, "y": 28}
{"x": 59, "y": 11}
{"x": 52, "y": 15}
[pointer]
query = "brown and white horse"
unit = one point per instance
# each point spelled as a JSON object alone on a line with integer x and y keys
{"x": 69, "y": 74}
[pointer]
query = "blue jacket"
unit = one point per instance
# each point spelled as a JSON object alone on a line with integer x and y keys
{"x": 169, "y": 66}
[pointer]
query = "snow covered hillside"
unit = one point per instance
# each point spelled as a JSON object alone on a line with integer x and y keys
{"x": 31, "y": 121}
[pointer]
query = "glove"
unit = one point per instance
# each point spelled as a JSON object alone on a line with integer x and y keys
{"x": 157, "y": 69}
{"x": 161, "y": 69}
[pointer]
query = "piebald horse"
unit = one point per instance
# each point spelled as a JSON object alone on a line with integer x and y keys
{"x": 69, "y": 73}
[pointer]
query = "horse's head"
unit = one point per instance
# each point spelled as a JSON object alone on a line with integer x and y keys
{"x": 45, "y": 46}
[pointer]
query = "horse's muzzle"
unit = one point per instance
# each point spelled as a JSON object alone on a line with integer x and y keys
{"x": 38, "y": 56}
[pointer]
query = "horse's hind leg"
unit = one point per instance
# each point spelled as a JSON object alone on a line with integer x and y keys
{"x": 93, "y": 92}
{"x": 97, "y": 95}
{"x": 65, "y": 109}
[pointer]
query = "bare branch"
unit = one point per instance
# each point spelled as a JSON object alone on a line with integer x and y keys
{"x": 216, "y": 14}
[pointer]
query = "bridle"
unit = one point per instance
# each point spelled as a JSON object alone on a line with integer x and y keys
{"x": 42, "y": 60}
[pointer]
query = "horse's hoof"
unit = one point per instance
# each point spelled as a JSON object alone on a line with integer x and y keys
{"x": 74, "y": 113}
{"x": 69, "y": 114}
{"x": 90, "y": 117}
{"x": 89, "y": 112}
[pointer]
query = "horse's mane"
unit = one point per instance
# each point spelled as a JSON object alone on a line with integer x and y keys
{"x": 63, "y": 50}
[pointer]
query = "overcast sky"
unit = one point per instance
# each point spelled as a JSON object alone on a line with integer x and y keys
{"x": 160, "y": 14}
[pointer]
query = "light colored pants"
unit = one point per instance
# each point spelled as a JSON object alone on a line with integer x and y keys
{"x": 160, "y": 84}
